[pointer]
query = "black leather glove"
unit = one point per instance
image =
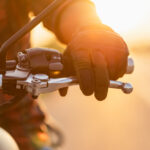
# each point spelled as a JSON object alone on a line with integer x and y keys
{"x": 95, "y": 56}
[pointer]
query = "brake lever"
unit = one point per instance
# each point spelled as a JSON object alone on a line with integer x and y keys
{"x": 41, "y": 83}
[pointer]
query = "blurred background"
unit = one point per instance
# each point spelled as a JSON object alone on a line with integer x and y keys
{"x": 121, "y": 122}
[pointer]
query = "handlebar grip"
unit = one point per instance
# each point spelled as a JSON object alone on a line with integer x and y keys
{"x": 58, "y": 66}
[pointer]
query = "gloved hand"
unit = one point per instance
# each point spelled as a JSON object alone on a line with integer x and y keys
{"x": 95, "y": 56}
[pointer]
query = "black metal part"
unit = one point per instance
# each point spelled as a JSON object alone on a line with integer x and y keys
{"x": 24, "y": 30}
{"x": 9, "y": 86}
{"x": 11, "y": 64}
{"x": 40, "y": 59}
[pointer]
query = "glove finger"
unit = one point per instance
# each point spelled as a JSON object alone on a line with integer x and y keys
{"x": 101, "y": 75}
{"x": 82, "y": 63}
{"x": 116, "y": 65}
{"x": 122, "y": 66}
{"x": 111, "y": 65}
{"x": 63, "y": 91}
{"x": 86, "y": 81}
{"x": 120, "y": 58}
{"x": 68, "y": 69}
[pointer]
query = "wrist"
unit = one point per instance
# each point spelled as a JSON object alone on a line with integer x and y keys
{"x": 74, "y": 16}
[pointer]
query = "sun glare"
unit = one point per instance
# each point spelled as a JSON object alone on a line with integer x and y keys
{"x": 123, "y": 15}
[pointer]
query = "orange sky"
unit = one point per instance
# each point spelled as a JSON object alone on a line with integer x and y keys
{"x": 131, "y": 18}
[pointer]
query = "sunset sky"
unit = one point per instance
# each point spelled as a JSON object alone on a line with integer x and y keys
{"x": 131, "y": 18}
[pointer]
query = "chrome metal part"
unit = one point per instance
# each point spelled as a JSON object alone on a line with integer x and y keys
{"x": 41, "y": 77}
{"x": 36, "y": 87}
{"x": 130, "y": 66}
{"x": 1, "y": 76}
{"x": 23, "y": 63}
{"x": 125, "y": 87}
